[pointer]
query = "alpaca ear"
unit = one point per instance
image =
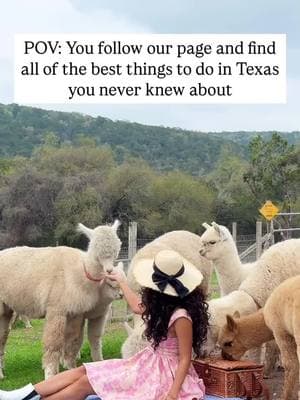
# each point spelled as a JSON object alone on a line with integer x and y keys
{"x": 236, "y": 314}
{"x": 219, "y": 230}
{"x": 85, "y": 230}
{"x": 231, "y": 324}
{"x": 116, "y": 224}
{"x": 206, "y": 225}
{"x": 216, "y": 227}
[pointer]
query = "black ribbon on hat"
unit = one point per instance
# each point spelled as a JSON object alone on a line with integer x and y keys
{"x": 162, "y": 280}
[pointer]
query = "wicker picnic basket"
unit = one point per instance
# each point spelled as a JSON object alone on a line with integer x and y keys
{"x": 232, "y": 378}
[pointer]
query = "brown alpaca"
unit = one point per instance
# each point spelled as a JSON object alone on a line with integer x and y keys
{"x": 280, "y": 319}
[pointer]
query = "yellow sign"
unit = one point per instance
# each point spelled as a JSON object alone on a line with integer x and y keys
{"x": 269, "y": 210}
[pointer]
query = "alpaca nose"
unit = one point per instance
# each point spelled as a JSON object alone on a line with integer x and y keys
{"x": 109, "y": 269}
{"x": 201, "y": 251}
{"x": 227, "y": 356}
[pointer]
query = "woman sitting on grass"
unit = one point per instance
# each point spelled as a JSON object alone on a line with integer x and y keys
{"x": 175, "y": 313}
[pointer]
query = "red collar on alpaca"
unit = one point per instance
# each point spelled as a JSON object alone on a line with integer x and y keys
{"x": 90, "y": 276}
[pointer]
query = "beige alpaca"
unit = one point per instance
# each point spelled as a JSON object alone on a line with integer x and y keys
{"x": 280, "y": 319}
{"x": 281, "y": 261}
{"x": 55, "y": 283}
{"x": 217, "y": 245}
{"x": 187, "y": 245}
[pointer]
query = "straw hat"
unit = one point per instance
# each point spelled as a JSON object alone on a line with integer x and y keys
{"x": 168, "y": 272}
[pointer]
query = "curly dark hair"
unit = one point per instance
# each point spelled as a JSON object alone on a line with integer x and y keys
{"x": 158, "y": 308}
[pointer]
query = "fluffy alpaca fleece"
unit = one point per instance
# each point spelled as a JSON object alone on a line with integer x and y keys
{"x": 218, "y": 245}
{"x": 96, "y": 321}
{"x": 133, "y": 344}
{"x": 187, "y": 245}
{"x": 52, "y": 282}
{"x": 280, "y": 262}
{"x": 280, "y": 318}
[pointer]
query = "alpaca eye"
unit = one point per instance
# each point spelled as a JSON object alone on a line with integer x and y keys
{"x": 212, "y": 242}
{"x": 228, "y": 344}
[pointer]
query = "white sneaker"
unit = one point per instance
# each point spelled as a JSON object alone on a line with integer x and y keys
{"x": 25, "y": 393}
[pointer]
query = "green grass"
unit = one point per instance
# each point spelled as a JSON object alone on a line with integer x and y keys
{"x": 23, "y": 353}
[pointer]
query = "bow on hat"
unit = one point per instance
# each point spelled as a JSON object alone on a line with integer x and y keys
{"x": 162, "y": 280}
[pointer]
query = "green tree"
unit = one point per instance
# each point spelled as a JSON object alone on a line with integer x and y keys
{"x": 127, "y": 191}
{"x": 179, "y": 201}
{"x": 234, "y": 200}
{"x": 27, "y": 208}
{"x": 274, "y": 171}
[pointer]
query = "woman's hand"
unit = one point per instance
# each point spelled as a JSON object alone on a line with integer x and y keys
{"x": 117, "y": 276}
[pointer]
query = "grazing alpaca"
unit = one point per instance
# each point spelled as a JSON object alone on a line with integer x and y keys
{"x": 280, "y": 262}
{"x": 218, "y": 245}
{"x": 56, "y": 283}
{"x": 187, "y": 245}
{"x": 280, "y": 318}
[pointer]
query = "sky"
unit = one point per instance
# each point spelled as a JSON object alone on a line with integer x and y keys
{"x": 167, "y": 16}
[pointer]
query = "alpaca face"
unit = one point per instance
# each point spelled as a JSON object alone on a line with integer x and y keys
{"x": 104, "y": 245}
{"x": 229, "y": 340}
{"x": 214, "y": 241}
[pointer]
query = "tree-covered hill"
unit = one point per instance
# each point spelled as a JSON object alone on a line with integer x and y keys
{"x": 23, "y": 128}
{"x": 244, "y": 138}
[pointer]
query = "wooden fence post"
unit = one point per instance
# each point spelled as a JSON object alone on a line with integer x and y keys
{"x": 234, "y": 231}
{"x": 258, "y": 239}
{"x": 132, "y": 240}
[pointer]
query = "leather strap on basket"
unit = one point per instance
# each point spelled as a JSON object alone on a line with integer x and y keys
{"x": 247, "y": 385}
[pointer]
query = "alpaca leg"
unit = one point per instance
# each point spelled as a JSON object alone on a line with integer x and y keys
{"x": 5, "y": 317}
{"x": 95, "y": 331}
{"x": 288, "y": 350}
{"x": 13, "y": 320}
{"x": 73, "y": 341}
{"x": 53, "y": 340}
{"x": 26, "y": 321}
{"x": 271, "y": 357}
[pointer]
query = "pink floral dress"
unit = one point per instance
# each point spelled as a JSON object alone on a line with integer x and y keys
{"x": 148, "y": 375}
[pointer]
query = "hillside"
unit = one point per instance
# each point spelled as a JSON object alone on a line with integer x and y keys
{"x": 243, "y": 138}
{"x": 23, "y": 128}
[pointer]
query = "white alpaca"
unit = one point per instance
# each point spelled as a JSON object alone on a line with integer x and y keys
{"x": 187, "y": 245}
{"x": 133, "y": 344}
{"x": 96, "y": 321}
{"x": 280, "y": 262}
{"x": 56, "y": 283}
{"x": 218, "y": 245}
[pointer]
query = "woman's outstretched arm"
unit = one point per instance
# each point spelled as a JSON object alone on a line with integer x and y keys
{"x": 133, "y": 300}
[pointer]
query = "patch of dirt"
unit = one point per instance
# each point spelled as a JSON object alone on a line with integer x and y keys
{"x": 275, "y": 384}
